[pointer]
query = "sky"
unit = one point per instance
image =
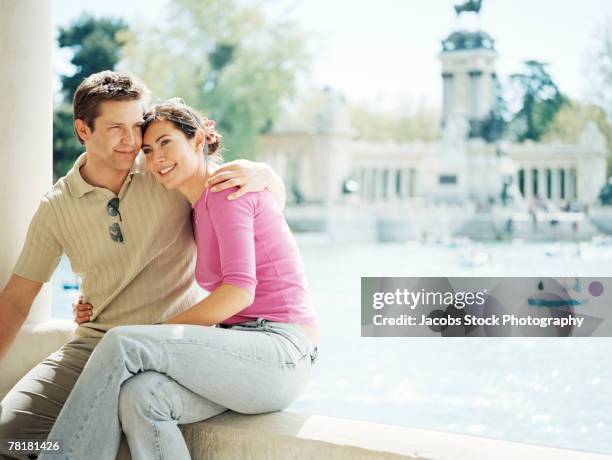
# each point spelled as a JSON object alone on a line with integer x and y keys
{"x": 384, "y": 53}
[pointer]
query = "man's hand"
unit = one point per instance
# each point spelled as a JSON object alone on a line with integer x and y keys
{"x": 250, "y": 176}
{"x": 81, "y": 311}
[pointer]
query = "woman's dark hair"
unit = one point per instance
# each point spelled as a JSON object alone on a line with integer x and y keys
{"x": 189, "y": 121}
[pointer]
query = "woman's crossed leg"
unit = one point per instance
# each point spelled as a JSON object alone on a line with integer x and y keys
{"x": 249, "y": 370}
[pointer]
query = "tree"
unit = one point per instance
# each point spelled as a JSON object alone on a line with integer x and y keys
{"x": 97, "y": 46}
{"x": 605, "y": 195}
{"x": 540, "y": 99}
{"x": 495, "y": 124}
{"x": 571, "y": 120}
{"x": 599, "y": 64}
{"x": 420, "y": 125}
{"x": 66, "y": 147}
{"x": 225, "y": 58}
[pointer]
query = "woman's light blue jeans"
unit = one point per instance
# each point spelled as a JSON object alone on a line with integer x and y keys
{"x": 146, "y": 380}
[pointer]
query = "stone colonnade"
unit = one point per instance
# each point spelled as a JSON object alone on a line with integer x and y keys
{"x": 558, "y": 183}
{"x": 379, "y": 183}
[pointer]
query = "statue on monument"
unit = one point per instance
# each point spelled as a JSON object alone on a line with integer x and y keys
{"x": 592, "y": 138}
{"x": 469, "y": 5}
{"x": 455, "y": 132}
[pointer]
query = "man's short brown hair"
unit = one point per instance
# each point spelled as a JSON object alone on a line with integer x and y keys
{"x": 105, "y": 86}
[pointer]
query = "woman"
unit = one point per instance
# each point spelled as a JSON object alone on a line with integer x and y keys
{"x": 147, "y": 380}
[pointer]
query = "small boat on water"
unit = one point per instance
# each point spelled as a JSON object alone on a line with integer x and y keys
{"x": 475, "y": 258}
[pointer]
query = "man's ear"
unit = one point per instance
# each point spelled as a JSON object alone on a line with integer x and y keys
{"x": 81, "y": 128}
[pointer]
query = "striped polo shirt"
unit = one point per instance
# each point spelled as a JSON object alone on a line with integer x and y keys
{"x": 144, "y": 279}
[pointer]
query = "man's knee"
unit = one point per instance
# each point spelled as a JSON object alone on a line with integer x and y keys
{"x": 9, "y": 426}
{"x": 20, "y": 420}
{"x": 15, "y": 425}
{"x": 29, "y": 410}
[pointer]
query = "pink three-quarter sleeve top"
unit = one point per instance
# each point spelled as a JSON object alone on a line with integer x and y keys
{"x": 247, "y": 243}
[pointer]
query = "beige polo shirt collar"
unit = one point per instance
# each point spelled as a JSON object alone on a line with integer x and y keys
{"x": 79, "y": 187}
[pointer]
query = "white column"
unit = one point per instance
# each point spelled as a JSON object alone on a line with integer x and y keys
{"x": 26, "y": 125}
{"x": 515, "y": 179}
{"x": 362, "y": 179}
{"x": 447, "y": 90}
{"x": 374, "y": 185}
{"x": 527, "y": 182}
{"x": 380, "y": 184}
{"x": 371, "y": 184}
{"x": 542, "y": 183}
{"x": 365, "y": 184}
{"x": 576, "y": 183}
{"x": 566, "y": 184}
{"x": 391, "y": 195}
{"x": 401, "y": 193}
{"x": 412, "y": 183}
{"x": 399, "y": 183}
{"x": 405, "y": 184}
{"x": 556, "y": 184}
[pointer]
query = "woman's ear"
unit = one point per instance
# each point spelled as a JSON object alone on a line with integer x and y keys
{"x": 200, "y": 141}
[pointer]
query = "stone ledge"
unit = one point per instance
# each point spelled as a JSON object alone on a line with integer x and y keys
{"x": 286, "y": 435}
{"x": 283, "y": 435}
{"x": 33, "y": 343}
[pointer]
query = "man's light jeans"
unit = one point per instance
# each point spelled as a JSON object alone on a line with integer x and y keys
{"x": 147, "y": 380}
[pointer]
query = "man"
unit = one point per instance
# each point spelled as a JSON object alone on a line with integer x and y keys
{"x": 127, "y": 237}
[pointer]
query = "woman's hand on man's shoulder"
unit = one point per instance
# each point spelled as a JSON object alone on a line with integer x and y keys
{"x": 248, "y": 176}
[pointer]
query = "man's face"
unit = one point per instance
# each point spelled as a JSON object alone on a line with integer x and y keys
{"x": 117, "y": 136}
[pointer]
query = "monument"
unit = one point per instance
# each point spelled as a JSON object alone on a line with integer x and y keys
{"x": 444, "y": 183}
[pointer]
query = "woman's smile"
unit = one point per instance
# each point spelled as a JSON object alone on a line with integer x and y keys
{"x": 167, "y": 170}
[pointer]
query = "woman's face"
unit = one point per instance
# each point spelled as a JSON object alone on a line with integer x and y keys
{"x": 171, "y": 156}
